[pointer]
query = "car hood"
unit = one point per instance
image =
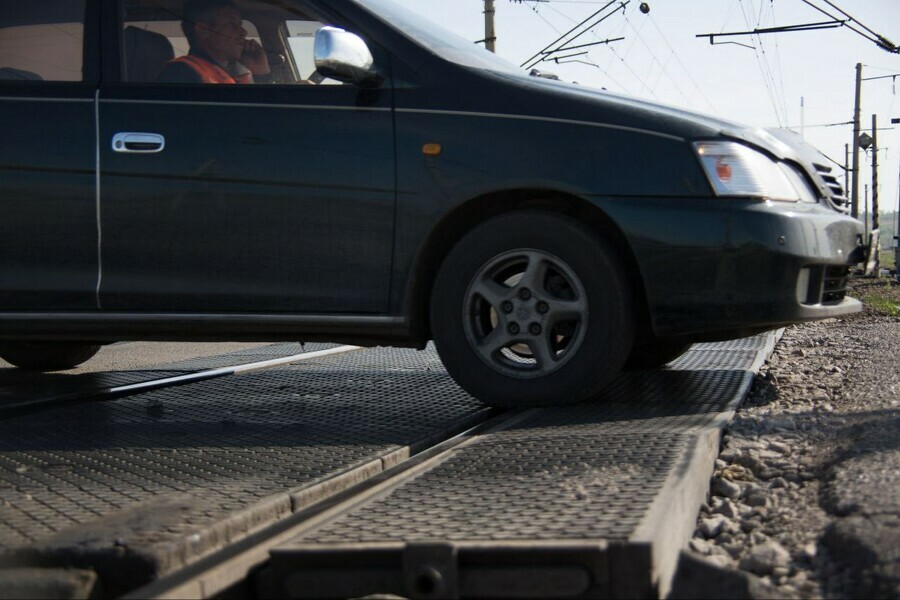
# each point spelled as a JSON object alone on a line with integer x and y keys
{"x": 607, "y": 107}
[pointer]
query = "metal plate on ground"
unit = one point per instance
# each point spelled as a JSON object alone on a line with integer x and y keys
{"x": 71, "y": 386}
{"x": 250, "y": 355}
{"x": 606, "y": 493}
{"x": 139, "y": 486}
{"x": 18, "y": 386}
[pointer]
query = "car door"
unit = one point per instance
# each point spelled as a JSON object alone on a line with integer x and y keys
{"x": 271, "y": 197}
{"x": 48, "y": 226}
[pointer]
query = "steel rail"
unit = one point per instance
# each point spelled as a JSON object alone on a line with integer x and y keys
{"x": 113, "y": 392}
{"x": 229, "y": 567}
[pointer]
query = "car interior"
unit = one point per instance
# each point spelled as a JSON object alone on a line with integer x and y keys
{"x": 41, "y": 41}
{"x": 152, "y": 36}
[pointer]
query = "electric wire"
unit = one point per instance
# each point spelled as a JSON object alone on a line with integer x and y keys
{"x": 874, "y": 40}
{"x": 728, "y": 16}
{"x": 635, "y": 74}
{"x": 762, "y": 69}
{"x": 852, "y": 18}
{"x": 559, "y": 60}
{"x": 621, "y": 58}
{"x": 535, "y": 10}
{"x": 778, "y": 61}
{"x": 683, "y": 66}
{"x": 588, "y": 62}
{"x": 663, "y": 71}
{"x": 562, "y": 40}
{"x": 769, "y": 72}
{"x": 759, "y": 63}
{"x": 655, "y": 59}
{"x": 640, "y": 38}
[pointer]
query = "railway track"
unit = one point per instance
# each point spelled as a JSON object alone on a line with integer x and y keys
{"x": 25, "y": 398}
{"x": 344, "y": 473}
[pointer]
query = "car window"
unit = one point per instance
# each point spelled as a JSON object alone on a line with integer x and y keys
{"x": 157, "y": 48}
{"x": 171, "y": 30}
{"x": 42, "y": 41}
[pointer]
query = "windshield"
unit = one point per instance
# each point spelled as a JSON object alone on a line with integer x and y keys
{"x": 448, "y": 46}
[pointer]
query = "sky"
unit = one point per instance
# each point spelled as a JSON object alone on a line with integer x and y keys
{"x": 661, "y": 59}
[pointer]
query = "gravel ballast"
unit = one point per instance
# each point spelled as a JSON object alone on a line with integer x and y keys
{"x": 805, "y": 497}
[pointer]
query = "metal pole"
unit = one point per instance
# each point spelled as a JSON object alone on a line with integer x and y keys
{"x": 490, "y": 34}
{"x": 854, "y": 206}
{"x": 875, "y": 190}
{"x": 896, "y": 121}
{"x": 866, "y": 210}
{"x": 874, "y": 172}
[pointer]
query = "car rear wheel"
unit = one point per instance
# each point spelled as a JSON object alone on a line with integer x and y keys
{"x": 656, "y": 354}
{"x": 532, "y": 309}
{"x": 46, "y": 356}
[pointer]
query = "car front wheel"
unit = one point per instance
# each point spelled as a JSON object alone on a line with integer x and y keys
{"x": 46, "y": 356}
{"x": 532, "y": 309}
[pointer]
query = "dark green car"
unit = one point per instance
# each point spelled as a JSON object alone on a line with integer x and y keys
{"x": 386, "y": 183}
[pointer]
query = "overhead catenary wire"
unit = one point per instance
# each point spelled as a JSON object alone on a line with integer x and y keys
{"x": 535, "y": 10}
{"x": 650, "y": 83}
{"x": 634, "y": 73}
{"x": 778, "y": 93}
{"x": 882, "y": 41}
{"x": 585, "y": 61}
{"x": 684, "y": 68}
{"x": 877, "y": 39}
{"x": 565, "y": 35}
{"x": 560, "y": 43}
{"x": 655, "y": 59}
{"x": 766, "y": 76}
{"x": 619, "y": 85}
{"x": 778, "y": 61}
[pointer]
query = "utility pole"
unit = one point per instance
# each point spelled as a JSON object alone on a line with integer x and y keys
{"x": 897, "y": 224}
{"x": 897, "y": 229}
{"x": 874, "y": 172}
{"x": 854, "y": 206}
{"x": 877, "y": 243}
{"x": 490, "y": 33}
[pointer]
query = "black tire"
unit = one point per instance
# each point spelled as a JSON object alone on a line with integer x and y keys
{"x": 532, "y": 309}
{"x": 657, "y": 354}
{"x": 46, "y": 356}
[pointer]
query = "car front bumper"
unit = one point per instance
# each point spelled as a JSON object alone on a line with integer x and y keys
{"x": 716, "y": 268}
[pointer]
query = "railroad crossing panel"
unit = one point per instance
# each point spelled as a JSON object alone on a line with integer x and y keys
{"x": 606, "y": 493}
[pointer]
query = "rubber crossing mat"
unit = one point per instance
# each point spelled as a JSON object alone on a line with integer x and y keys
{"x": 593, "y": 500}
{"x": 140, "y": 486}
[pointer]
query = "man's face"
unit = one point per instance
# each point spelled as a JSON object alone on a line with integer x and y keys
{"x": 223, "y": 36}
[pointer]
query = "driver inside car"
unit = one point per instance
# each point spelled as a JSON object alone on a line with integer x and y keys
{"x": 219, "y": 49}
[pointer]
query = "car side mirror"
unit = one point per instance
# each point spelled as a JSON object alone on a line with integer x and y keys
{"x": 344, "y": 56}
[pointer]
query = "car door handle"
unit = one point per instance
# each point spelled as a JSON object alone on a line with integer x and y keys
{"x": 138, "y": 143}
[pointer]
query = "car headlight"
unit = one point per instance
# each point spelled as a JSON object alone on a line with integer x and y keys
{"x": 737, "y": 170}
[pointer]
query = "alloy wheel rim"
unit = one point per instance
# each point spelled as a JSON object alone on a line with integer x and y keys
{"x": 525, "y": 313}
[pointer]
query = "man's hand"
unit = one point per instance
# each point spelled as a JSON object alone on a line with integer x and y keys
{"x": 254, "y": 58}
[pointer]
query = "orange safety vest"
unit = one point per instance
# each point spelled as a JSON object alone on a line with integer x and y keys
{"x": 211, "y": 73}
